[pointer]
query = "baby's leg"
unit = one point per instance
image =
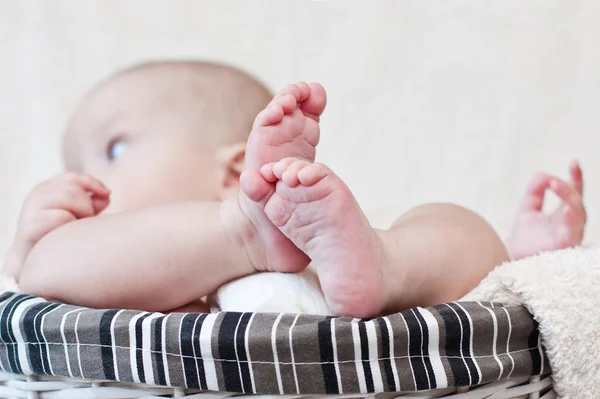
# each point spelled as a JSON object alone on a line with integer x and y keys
{"x": 432, "y": 254}
{"x": 437, "y": 253}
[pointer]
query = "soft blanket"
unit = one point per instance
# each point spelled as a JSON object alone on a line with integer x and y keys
{"x": 562, "y": 290}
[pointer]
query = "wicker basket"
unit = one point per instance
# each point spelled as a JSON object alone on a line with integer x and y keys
{"x": 33, "y": 387}
{"x": 459, "y": 350}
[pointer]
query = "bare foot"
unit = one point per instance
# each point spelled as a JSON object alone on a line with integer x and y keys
{"x": 315, "y": 209}
{"x": 288, "y": 127}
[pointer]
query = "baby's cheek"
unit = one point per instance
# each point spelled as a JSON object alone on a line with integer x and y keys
{"x": 124, "y": 197}
{"x": 130, "y": 200}
{"x": 129, "y": 188}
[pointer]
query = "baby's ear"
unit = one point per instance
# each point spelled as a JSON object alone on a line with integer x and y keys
{"x": 231, "y": 159}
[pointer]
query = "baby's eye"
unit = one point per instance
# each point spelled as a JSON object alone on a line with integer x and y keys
{"x": 115, "y": 149}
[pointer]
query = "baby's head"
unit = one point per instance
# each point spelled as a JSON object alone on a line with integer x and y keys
{"x": 165, "y": 132}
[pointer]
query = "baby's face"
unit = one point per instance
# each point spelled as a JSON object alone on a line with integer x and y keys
{"x": 132, "y": 136}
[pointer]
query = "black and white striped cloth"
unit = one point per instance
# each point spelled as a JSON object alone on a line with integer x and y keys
{"x": 454, "y": 344}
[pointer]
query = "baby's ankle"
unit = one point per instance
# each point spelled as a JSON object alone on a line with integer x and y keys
{"x": 243, "y": 235}
{"x": 399, "y": 293}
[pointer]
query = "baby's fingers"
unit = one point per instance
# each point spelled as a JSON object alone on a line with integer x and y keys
{"x": 570, "y": 196}
{"x": 569, "y": 216}
{"x": 536, "y": 189}
{"x": 573, "y": 227}
{"x": 100, "y": 194}
{"x": 576, "y": 176}
{"x": 76, "y": 201}
{"x": 89, "y": 183}
{"x": 99, "y": 204}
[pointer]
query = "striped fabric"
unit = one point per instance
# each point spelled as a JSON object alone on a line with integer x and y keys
{"x": 454, "y": 344}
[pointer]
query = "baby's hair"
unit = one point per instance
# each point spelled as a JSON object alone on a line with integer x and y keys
{"x": 226, "y": 95}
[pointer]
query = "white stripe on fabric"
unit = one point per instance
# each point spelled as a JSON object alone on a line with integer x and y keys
{"x": 471, "y": 352}
{"x": 78, "y": 345}
{"x": 42, "y": 342}
{"x": 113, "y": 339}
{"x": 495, "y": 339}
{"x": 147, "y": 349}
{"x": 133, "y": 348}
{"x": 293, "y": 357}
{"x": 275, "y": 356}
{"x": 512, "y": 361}
{"x": 338, "y": 374}
{"x": 179, "y": 340}
{"x": 248, "y": 352}
{"x": 362, "y": 382}
{"x": 412, "y": 371}
{"x": 163, "y": 345}
{"x": 392, "y": 355}
{"x": 1, "y": 362}
{"x": 8, "y": 320}
{"x": 64, "y": 337}
{"x": 462, "y": 333}
{"x": 46, "y": 340}
{"x": 206, "y": 350}
{"x": 196, "y": 355}
{"x": 374, "y": 356}
{"x": 434, "y": 348}
{"x": 235, "y": 348}
{"x": 19, "y": 340}
{"x": 421, "y": 349}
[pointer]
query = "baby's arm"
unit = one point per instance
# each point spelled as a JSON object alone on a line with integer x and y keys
{"x": 51, "y": 204}
{"x": 156, "y": 259}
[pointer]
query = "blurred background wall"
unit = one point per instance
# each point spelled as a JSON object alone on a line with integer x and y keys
{"x": 428, "y": 100}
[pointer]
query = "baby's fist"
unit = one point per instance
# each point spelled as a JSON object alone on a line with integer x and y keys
{"x": 51, "y": 204}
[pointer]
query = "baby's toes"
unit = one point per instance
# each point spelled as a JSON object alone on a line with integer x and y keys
{"x": 280, "y": 167}
{"x": 254, "y": 186}
{"x": 315, "y": 104}
{"x": 269, "y": 116}
{"x": 288, "y": 102}
{"x": 266, "y": 172}
{"x": 313, "y": 173}
{"x": 304, "y": 90}
{"x": 300, "y": 91}
{"x": 290, "y": 176}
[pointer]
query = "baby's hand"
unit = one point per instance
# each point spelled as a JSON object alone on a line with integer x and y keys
{"x": 51, "y": 204}
{"x": 535, "y": 231}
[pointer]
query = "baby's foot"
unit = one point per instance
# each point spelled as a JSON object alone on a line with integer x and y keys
{"x": 315, "y": 209}
{"x": 288, "y": 127}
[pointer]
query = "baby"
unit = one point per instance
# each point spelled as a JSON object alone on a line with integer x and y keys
{"x": 167, "y": 198}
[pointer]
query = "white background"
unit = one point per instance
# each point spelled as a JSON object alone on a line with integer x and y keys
{"x": 428, "y": 100}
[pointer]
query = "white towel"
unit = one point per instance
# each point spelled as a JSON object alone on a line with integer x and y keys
{"x": 562, "y": 290}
